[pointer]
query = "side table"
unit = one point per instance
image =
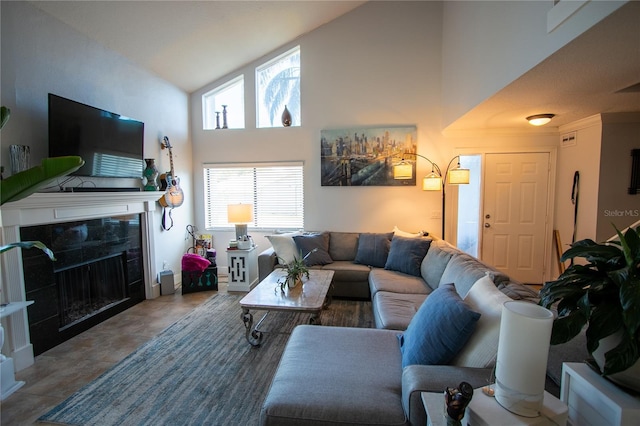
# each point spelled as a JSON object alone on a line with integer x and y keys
{"x": 593, "y": 400}
{"x": 8, "y": 383}
{"x": 243, "y": 269}
{"x": 484, "y": 410}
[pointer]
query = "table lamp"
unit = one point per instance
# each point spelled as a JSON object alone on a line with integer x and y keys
{"x": 523, "y": 349}
{"x": 240, "y": 215}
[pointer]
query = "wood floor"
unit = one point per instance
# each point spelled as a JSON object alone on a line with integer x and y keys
{"x": 62, "y": 370}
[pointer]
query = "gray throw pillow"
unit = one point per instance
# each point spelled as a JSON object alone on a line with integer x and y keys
{"x": 373, "y": 249}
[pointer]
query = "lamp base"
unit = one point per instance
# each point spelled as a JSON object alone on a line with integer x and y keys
{"x": 241, "y": 230}
{"x": 518, "y": 403}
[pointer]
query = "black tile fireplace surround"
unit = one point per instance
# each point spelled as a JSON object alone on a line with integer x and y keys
{"x": 98, "y": 274}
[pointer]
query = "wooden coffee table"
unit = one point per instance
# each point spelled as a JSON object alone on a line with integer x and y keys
{"x": 311, "y": 297}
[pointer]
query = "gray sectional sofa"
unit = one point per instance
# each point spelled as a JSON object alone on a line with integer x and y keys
{"x": 333, "y": 375}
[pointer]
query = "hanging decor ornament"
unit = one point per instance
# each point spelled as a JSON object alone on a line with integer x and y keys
{"x": 286, "y": 117}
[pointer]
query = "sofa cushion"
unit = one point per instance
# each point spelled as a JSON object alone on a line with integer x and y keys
{"x": 308, "y": 242}
{"x": 482, "y": 347}
{"x": 284, "y": 246}
{"x": 394, "y": 311}
{"x": 364, "y": 386}
{"x": 439, "y": 329}
{"x": 373, "y": 249}
{"x": 343, "y": 245}
{"x": 406, "y": 254}
{"x": 396, "y": 282}
{"x": 345, "y": 270}
{"x": 435, "y": 262}
{"x": 464, "y": 270}
{"x": 517, "y": 291}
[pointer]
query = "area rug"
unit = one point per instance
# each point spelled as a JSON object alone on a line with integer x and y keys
{"x": 199, "y": 371}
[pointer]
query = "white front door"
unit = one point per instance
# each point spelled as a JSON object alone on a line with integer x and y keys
{"x": 515, "y": 214}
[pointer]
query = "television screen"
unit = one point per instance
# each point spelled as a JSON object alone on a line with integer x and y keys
{"x": 110, "y": 144}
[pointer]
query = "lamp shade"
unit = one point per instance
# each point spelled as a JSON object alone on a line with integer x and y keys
{"x": 523, "y": 349}
{"x": 432, "y": 182}
{"x": 239, "y": 213}
{"x": 402, "y": 171}
{"x": 458, "y": 176}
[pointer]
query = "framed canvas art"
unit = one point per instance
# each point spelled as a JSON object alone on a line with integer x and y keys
{"x": 364, "y": 156}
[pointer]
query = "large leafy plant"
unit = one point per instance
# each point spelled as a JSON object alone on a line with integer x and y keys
{"x": 604, "y": 293}
{"x": 25, "y": 183}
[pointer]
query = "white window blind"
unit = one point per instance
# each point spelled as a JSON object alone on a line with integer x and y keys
{"x": 275, "y": 190}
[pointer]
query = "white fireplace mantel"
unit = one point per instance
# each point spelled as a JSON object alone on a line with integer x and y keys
{"x": 46, "y": 208}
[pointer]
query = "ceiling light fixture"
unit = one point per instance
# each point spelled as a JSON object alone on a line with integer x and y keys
{"x": 540, "y": 119}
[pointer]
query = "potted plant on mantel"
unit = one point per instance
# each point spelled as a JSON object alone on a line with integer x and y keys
{"x": 295, "y": 270}
{"x": 604, "y": 294}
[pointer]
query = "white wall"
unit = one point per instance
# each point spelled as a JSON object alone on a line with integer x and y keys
{"x": 41, "y": 55}
{"x": 583, "y": 157}
{"x": 487, "y": 45}
{"x": 377, "y": 65}
{"x": 620, "y": 134}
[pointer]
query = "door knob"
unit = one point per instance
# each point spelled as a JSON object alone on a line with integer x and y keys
{"x": 486, "y": 225}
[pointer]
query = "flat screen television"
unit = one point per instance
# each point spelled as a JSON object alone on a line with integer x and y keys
{"x": 110, "y": 144}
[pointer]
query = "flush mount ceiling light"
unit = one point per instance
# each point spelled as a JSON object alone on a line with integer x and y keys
{"x": 540, "y": 119}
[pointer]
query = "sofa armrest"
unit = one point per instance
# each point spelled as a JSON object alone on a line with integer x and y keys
{"x": 267, "y": 260}
{"x": 435, "y": 378}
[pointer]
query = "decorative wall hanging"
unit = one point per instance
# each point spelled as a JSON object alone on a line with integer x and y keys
{"x": 634, "y": 186}
{"x": 364, "y": 156}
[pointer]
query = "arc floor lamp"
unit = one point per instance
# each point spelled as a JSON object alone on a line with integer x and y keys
{"x": 436, "y": 180}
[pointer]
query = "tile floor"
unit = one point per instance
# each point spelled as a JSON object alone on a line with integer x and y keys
{"x": 62, "y": 370}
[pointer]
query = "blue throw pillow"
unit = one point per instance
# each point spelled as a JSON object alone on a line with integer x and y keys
{"x": 439, "y": 329}
{"x": 406, "y": 254}
{"x": 307, "y": 242}
{"x": 373, "y": 249}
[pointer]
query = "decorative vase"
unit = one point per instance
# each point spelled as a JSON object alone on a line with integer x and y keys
{"x": 224, "y": 117}
{"x": 293, "y": 282}
{"x": 19, "y": 158}
{"x": 629, "y": 378}
{"x": 150, "y": 174}
{"x": 286, "y": 117}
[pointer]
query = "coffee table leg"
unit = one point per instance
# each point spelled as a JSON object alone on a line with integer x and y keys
{"x": 315, "y": 319}
{"x": 254, "y": 337}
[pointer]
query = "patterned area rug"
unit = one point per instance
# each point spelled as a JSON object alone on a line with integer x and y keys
{"x": 199, "y": 371}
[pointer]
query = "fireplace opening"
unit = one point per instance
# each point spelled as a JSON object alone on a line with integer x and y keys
{"x": 89, "y": 289}
{"x": 98, "y": 274}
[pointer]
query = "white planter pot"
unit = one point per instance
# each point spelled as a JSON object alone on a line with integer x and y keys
{"x": 629, "y": 378}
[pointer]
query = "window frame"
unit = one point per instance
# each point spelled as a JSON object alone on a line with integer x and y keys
{"x": 252, "y": 196}
{"x": 296, "y": 118}
{"x": 217, "y": 90}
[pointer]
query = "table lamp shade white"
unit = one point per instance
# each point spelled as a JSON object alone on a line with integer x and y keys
{"x": 523, "y": 349}
{"x": 240, "y": 215}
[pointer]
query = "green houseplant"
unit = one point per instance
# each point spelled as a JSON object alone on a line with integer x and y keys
{"x": 295, "y": 270}
{"x": 604, "y": 295}
{"x": 25, "y": 183}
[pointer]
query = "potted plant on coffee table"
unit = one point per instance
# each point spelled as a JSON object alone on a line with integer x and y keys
{"x": 604, "y": 295}
{"x": 295, "y": 270}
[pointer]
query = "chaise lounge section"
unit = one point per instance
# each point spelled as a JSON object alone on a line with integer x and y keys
{"x": 349, "y": 376}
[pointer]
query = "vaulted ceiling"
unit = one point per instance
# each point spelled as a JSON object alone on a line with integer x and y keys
{"x": 191, "y": 43}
